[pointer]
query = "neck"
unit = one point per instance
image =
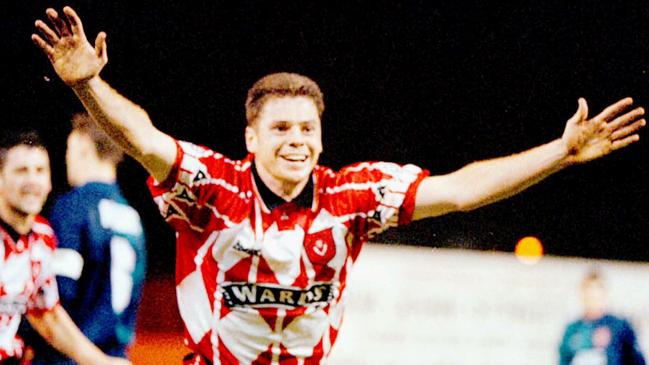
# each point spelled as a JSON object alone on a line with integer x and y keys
{"x": 594, "y": 314}
{"x": 100, "y": 171}
{"x": 21, "y": 223}
{"x": 286, "y": 190}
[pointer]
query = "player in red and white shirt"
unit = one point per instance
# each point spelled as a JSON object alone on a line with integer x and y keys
{"x": 27, "y": 283}
{"x": 264, "y": 244}
{"x": 261, "y": 280}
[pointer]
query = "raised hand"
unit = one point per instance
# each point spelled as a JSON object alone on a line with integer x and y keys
{"x": 612, "y": 129}
{"x": 74, "y": 59}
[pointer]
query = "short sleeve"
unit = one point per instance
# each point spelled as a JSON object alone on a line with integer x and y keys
{"x": 631, "y": 348}
{"x": 381, "y": 193}
{"x": 45, "y": 295}
{"x": 197, "y": 179}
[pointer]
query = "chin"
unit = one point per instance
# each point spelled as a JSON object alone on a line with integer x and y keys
{"x": 296, "y": 178}
{"x": 31, "y": 208}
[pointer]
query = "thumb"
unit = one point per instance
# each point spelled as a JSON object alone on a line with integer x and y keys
{"x": 582, "y": 111}
{"x": 100, "y": 47}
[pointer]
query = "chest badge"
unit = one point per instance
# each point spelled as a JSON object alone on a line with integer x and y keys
{"x": 320, "y": 246}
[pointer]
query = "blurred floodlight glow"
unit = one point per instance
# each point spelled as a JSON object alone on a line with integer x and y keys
{"x": 529, "y": 250}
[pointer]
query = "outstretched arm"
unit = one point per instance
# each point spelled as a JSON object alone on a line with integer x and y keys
{"x": 78, "y": 64}
{"x": 58, "y": 329}
{"x": 484, "y": 182}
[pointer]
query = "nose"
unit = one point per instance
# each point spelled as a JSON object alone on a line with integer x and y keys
{"x": 33, "y": 178}
{"x": 295, "y": 136}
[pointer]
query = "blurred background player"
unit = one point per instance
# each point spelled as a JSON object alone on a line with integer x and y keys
{"x": 27, "y": 283}
{"x": 100, "y": 260}
{"x": 598, "y": 337}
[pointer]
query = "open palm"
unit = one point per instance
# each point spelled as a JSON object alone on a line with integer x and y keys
{"x": 74, "y": 59}
{"x": 612, "y": 129}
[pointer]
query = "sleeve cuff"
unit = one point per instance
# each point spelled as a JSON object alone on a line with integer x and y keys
{"x": 408, "y": 206}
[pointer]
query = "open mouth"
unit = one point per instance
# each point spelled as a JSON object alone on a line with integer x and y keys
{"x": 294, "y": 158}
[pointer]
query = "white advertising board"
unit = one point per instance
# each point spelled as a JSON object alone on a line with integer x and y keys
{"x": 412, "y": 305}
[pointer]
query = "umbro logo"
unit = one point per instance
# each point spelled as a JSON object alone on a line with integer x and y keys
{"x": 250, "y": 251}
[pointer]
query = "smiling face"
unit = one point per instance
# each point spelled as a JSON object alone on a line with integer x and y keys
{"x": 286, "y": 139}
{"x": 25, "y": 180}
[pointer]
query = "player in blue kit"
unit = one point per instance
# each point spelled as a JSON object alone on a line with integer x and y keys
{"x": 598, "y": 337}
{"x": 100, "y": 262}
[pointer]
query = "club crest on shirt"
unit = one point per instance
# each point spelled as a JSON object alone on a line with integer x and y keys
{"x": 602, "y": 337}
{"x": 320, "y": 246}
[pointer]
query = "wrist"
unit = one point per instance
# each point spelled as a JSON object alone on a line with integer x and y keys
{"x": 566, "y": 157}
{"x": 81, "y": 87}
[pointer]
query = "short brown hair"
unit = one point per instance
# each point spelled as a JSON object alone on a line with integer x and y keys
{"x": 594, "y": 275}
{"x": 24, "y": 137}
{"x": 104, "y": 145}
{"x": 281, "y": 84}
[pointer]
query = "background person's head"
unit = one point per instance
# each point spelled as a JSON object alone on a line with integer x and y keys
{"x": 593, "y": 295}
{"x": 25, "y": 179}
{"x": 90, "y": 154}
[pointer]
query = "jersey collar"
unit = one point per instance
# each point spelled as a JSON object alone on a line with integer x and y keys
{"x": 272, "y": 200}
{"x": 9, "y": 231}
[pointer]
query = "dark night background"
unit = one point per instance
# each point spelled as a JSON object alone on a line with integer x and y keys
{"x": 438, "y": 84}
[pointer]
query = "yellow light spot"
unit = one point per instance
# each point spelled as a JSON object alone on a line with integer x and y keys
{"x": 529, "y": 250}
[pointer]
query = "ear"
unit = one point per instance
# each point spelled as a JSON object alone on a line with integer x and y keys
{"x": 251, "y": 139}
{"x": 86, "y": 145}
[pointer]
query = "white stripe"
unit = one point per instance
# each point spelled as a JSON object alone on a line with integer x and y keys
{"x": 218, "y": 182}
{"x": 218, "y": 296}
{"x": 202, "y": 251}
{"x": 119, "y": 217}
{"x": 42, "y": 228}
{"x": 310, "y": 272}
{"x": 259, "y": 236}
{"x": 195, "y": 150}
{"x": 193, "y": 302}
{"x": 352, "y": 186}
{"x": 277, "y": 336}
{"x": 67, "y": 262}
{"x": 361, "y": 166}
{"x": 349, "y": 217}
{"x": 223, "y": 217}
{"x": 390, "y": 168}
{"x": 242, "y": 167}
{"x": 194, "y": 305}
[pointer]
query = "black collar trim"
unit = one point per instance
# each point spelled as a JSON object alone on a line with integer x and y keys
{"x": 10, "y": 231}
{"x": 272, "y": 200}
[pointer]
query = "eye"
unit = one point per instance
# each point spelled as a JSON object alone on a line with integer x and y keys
{"x": 281, "y": 127}
{"x": 308, "y": 128}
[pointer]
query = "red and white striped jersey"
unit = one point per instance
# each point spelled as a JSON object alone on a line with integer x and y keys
{"x": 27, "y": 283}
{"x": 266, "y": 286}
